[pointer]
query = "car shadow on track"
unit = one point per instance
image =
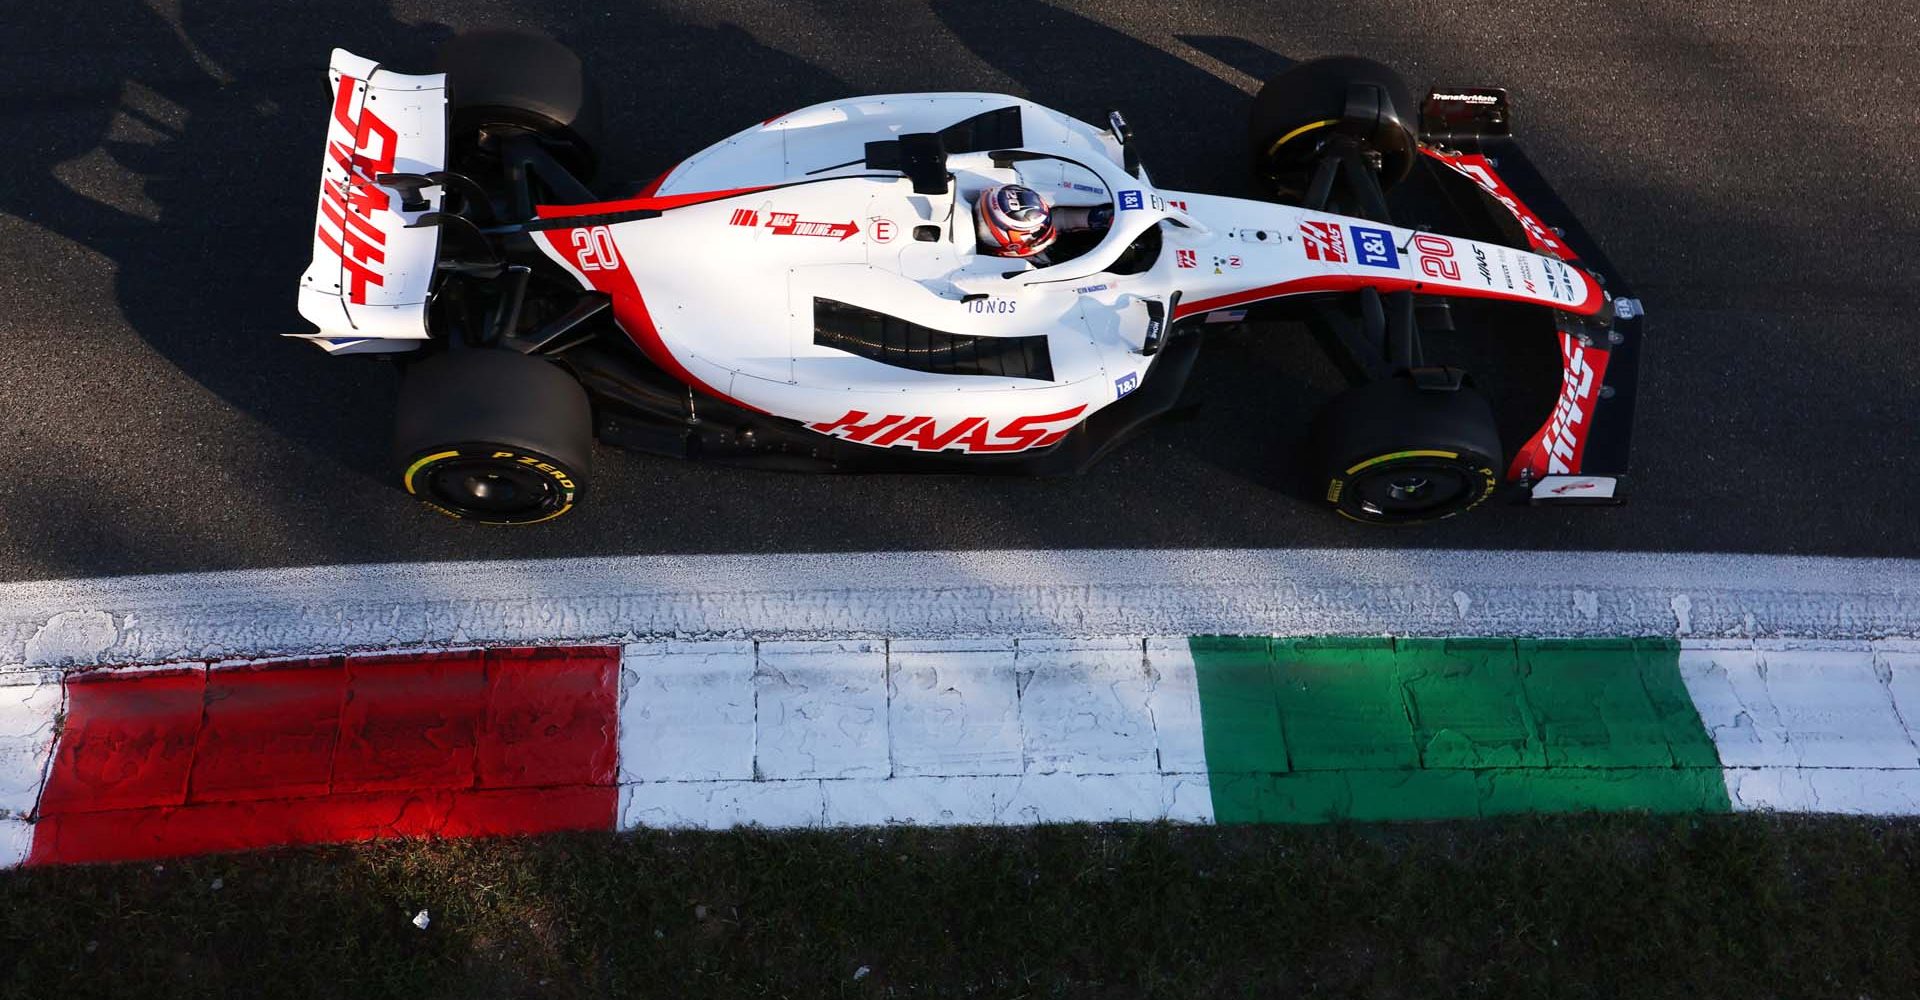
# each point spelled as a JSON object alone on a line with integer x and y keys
{"x": 224, "y": 137}
{"x": 184, "y": 150}
{"x": 199, "y": 141}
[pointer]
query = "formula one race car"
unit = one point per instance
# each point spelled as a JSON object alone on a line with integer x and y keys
{"x": 950, "y": 282}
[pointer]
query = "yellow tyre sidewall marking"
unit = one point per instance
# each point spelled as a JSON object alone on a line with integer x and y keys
{"x": 1403, "y": 454}
{"x": 1337, "y": 487}
{"x": 540, "y": 520}
{"x": 559, "y": 476}
{"x": 417, "y": 466}
{"x": 1297, "y": 133}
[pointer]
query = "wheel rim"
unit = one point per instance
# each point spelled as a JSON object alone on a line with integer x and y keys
{"x": 491, "y": 490}
{"x": 1414, "y": 490}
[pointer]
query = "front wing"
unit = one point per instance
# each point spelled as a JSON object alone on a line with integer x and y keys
{"x": 1580, "y": 452}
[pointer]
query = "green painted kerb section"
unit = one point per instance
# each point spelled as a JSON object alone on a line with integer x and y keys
{"x": 1311, "y": 730}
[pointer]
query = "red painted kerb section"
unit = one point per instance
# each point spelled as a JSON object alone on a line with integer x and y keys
{"x": 474, "y": 743}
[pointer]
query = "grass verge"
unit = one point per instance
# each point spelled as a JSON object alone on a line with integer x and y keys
{"x": 1588, "y": 906}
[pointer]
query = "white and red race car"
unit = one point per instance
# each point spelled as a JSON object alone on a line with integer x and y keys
{"x": 811, "y": 293}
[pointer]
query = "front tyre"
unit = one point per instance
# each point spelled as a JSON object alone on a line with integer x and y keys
{"x": 1389, "y": 452}
{"x": 493, "y": 436}
{"x": 1297, "y": 112}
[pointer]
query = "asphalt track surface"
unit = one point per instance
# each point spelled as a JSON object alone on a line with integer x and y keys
{"x": 1750, "y": 167}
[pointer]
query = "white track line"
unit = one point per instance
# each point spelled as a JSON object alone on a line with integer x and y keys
{"x": 954, "y": 594}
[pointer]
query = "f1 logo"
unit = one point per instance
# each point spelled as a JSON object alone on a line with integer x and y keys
{"x": 1186, "y": 258}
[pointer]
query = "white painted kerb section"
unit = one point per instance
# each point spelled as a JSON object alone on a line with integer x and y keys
{"x": 856, "y": 733}
{"x": 30, "y": 702}
{"x": 1812, "y": 727}
{"x": 933, "y": 595}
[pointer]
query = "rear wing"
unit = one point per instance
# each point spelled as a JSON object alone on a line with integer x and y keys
{"x": 368, "y": 284}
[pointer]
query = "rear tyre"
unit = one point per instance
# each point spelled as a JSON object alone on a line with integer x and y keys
{"x": 493, "y": 436}
{"x": 1389, "y": 452}
{"x": 509, "y": 79}
{"x": 1297, "y": 111}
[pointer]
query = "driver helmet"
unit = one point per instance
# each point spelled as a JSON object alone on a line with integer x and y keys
{"x": 1013, "y": 221}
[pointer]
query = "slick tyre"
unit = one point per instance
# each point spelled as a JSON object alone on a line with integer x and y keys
{"x": 499, "y": 78}
{"x": 1391, "y": 453}
{"x": 1297, "y": 111}
{"x": 493, "y": 436}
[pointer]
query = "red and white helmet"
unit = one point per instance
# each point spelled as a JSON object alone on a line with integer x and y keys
{"x": 1013, "y": 221}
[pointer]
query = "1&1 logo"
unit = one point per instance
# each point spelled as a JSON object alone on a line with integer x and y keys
{"x": 1374, "y": 247}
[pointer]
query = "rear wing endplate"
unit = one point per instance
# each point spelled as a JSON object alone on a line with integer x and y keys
{"x": 368, "y": 285}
